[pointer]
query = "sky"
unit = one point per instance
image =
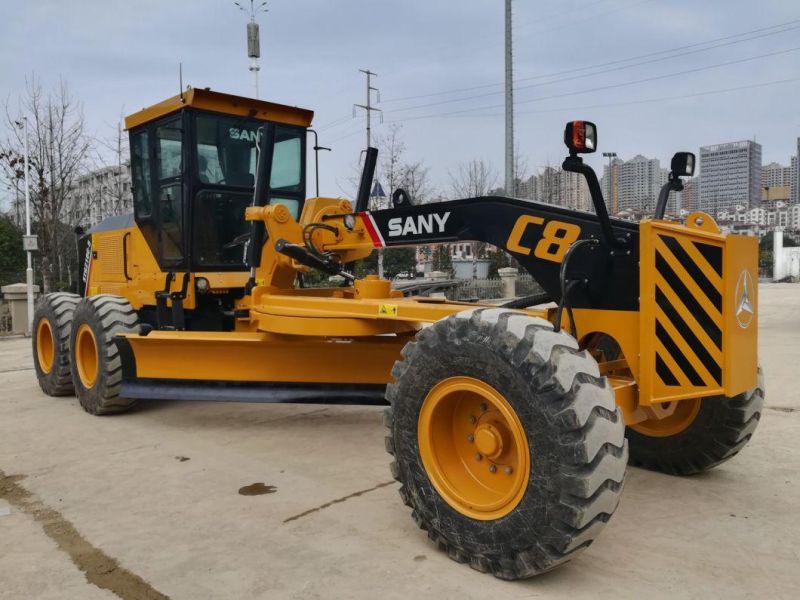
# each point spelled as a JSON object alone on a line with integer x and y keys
{"x": 656, "y": 76}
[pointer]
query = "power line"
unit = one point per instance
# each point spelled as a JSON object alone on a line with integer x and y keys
{"x": 611, "y": 86}
{"x": 610, "y": 70}
{"x": 794, "y": 23}
{"x": 627, "y": 102}
{"x": 553, "y": 16}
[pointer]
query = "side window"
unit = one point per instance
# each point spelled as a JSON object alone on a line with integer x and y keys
{"x": 169, "y": 137}
{"x": 287, "y": 160}
{"x": 140, "y": 174}
{"x": 171, "y": 231}
{"x": 169, "y": 157}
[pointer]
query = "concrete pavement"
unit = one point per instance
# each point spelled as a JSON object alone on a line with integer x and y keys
{"x": 193, "y": 500}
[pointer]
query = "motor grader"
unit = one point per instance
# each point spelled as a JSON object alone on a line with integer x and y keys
{"x": 510, "y": 426}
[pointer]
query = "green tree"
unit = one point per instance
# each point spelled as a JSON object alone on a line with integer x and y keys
{"x": 765, "y": 249}
{"x": 395, "y": 262}
{"x": 499, "y": 260}
{"x": 442, "y": 261}
{"x": 12, "y": 256}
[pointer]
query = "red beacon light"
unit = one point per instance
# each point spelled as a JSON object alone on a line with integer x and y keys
{"x": 581, "y": 137}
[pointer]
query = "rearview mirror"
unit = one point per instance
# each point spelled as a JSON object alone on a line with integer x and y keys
{"x": 580, "y": 137}
{"x": 683, "y": 164}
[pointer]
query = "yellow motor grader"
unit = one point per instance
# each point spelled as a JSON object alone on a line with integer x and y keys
{"x": 510, "y": 426}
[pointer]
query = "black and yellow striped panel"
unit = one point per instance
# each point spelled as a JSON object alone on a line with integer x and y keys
{"x": 688, "y": 313}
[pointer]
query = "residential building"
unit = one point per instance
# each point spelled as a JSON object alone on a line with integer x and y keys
{"x": 730, "y": 176}
{"x": 773, "y": 197}
{"x": 760, "y": 220}
{"x": 556, "y": 186}
{"x": 688, "y": 197}
{"x": 102, "y": 193}
{"x": 775, "y": 175}
{"x": 795, "y": 166}
{"x": 638, "y": 182}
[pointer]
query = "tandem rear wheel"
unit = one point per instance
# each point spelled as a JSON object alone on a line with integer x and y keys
{"x": 506, "y": 440}
{"x": 96, "y": 365}
{"x": 699, "y": 435}
{"x": 52, "y": 325}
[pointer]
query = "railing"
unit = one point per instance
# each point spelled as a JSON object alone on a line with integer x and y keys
{"x": 5, "y": 318}
{"x": 476, "y": 290}
{"x": 526, "y": 285}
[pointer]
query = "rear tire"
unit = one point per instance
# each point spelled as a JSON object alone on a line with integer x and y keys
{"x": 573, "y": 429}
{"x": 721, "y": 428}
{"x": 52, "y": 324}
{"x": 96, "y": 364}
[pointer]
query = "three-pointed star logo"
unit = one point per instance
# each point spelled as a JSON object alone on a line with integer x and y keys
{"x": 744, "y": 305}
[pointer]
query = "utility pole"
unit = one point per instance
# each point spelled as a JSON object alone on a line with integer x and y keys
{"x": 368, "y": 108}
{"x": 253, "y": 41}
{"x": 510, "y": 191}
{"x": 29, "y": 241}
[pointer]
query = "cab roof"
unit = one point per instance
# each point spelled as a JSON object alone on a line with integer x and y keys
{"x": 206, "y": 99}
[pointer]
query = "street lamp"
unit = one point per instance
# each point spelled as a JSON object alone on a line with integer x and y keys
{"x": 612, "y": 188}
{"x": 28, "y": 241}
{"x": 253, "y": 41}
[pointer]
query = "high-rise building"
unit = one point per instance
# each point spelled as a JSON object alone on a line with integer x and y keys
{"x": 730, "y": 176}
{"x": 638, "y": 183}
{"x": 687, "y": 199}
{"x": 102, "y": 193}
{"x": 556, "y": 186}
{"x": 775, "y": 175}
{"x": 795, "y": 185}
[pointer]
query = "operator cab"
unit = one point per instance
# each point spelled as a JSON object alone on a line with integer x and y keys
{"x": 193, "y": 171}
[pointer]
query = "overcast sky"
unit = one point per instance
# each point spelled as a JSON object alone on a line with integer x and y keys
{"x": 119, "y": 55}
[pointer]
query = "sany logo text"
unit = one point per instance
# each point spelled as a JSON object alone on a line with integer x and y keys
{"x": 243, "y": 134}
{"x": 417, "y": 225}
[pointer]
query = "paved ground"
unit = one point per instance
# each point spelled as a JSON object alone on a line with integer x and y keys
{"x": 149, "y": 503}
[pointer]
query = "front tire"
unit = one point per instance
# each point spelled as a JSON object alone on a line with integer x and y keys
{"x": 710, "y": 432}
{"x": 52, "y": 324}
{"x": 96, "y": 364}
{"x": 552, "y": 414}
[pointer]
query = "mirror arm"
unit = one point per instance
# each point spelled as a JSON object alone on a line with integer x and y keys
{"x": 575, "y": 164}
{"x": 674, "y": 184}
{"x": 367, "y": 175}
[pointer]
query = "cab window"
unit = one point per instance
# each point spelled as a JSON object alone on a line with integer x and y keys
{"x": 286, "y": 179}
{"x": 226, "y": 150}
{"x": 169, "y": 162}
{"x": 286, "y": 160}
{"x": 140, "y": 175}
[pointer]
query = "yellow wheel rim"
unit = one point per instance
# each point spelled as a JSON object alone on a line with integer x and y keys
{"x": 45, "y": 346}
{"x": 681, "y": 418}
{"x": 474, "y": 448}
{"x": 86, "y": 357}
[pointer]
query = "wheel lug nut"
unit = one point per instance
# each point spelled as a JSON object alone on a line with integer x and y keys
{"x": 470, "y": 438}
{"x": 472, "y": 419}
{"x": 509, "y": 470}
{"x": 483, "y": 407}
{"x": 478, "y": 456}
{"x": 492, "y": 468}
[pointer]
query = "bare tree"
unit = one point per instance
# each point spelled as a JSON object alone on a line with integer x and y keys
{"x": 59, "y": 148}
{"x": 415, "y": 181}
{"x": 472, "y": 179}
{"x": 395, "y": 173}
{"x": 520, "y": 173}
{"x": 112, "y": 193}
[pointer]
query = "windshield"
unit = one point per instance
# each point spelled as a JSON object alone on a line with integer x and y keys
{"x": 226, "y": 150}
